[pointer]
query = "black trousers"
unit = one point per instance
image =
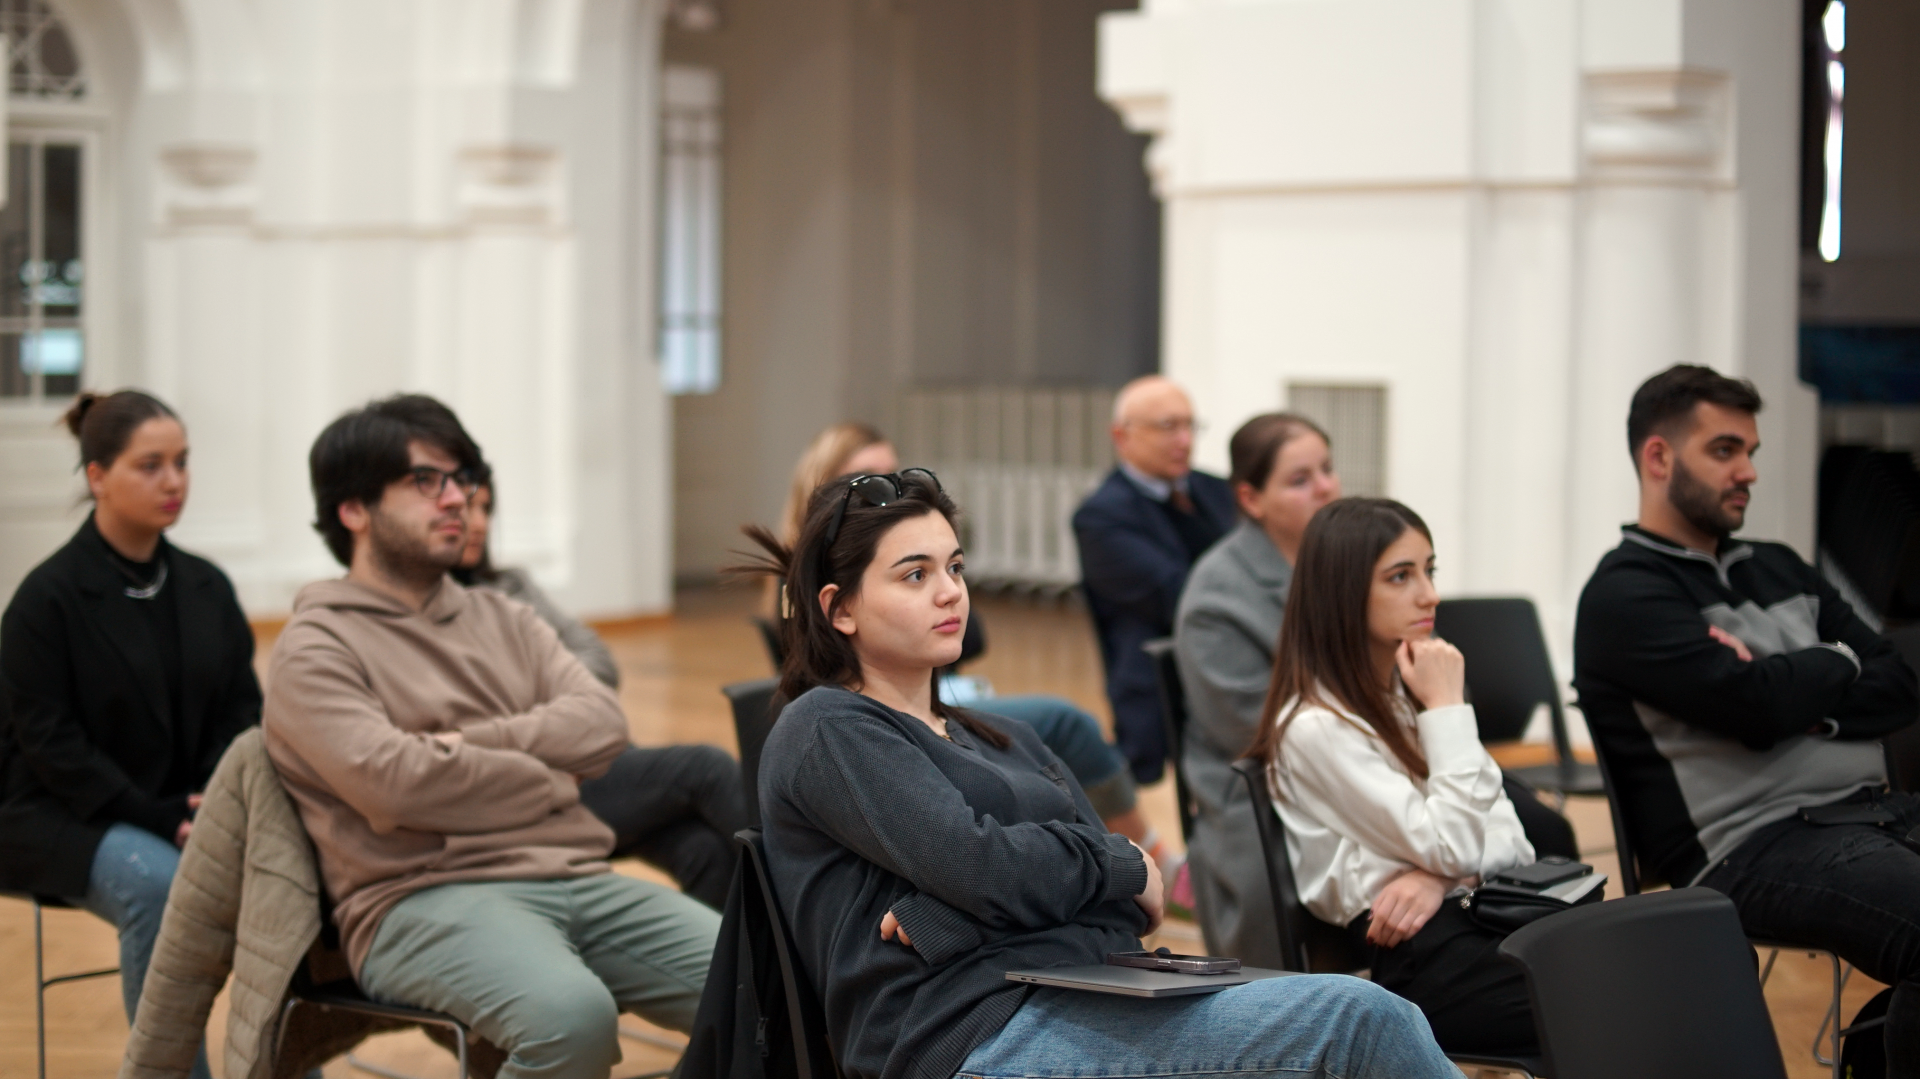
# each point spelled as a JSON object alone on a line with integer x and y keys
{"x": 1853, "y": 889}
{"x": 1451, "y": 969}
{"x": 675, "y": 808}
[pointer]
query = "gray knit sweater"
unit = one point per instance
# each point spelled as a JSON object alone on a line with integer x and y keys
{"x": 991, "y": 859}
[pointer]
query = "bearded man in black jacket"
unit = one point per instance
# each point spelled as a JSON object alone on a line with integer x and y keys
{"x": 1737, "y": 699}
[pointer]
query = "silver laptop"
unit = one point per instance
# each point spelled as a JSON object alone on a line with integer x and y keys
{"x": 1140, "y": 982}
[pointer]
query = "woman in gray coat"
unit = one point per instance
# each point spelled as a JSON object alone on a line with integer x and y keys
{"x": 1224, "y": 634}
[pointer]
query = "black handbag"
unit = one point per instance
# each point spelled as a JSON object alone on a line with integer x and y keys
{"x": 1504, "y": 908}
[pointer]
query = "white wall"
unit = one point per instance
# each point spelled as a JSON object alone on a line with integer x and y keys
{"x": 325, "y": 203}
{"x": 1509, "y": 212}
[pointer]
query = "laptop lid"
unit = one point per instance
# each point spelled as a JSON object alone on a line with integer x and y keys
{"x": 1138, "y": 982}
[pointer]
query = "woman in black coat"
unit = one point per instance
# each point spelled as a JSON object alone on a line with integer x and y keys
{"x": 126, "y": 667}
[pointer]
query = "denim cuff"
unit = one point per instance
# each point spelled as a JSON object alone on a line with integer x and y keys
{"x": 1126, "y": 869}
{"x": 938, "y": 931}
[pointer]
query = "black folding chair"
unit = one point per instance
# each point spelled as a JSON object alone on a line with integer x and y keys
{"x": 1903, "y": 746}
{"x": 1633, "y": 878}
{"x": 1509, "y": 675}
{"x": 1654, "y": 986}
{"x": 345, "y": 996}
{"x": 1173, "y": 721}
{"x": 754, "y": 711}
{"x": 41, "y": 983}
{"x": 806, "y": 1019}
{"x": 770, "y": 636}
{"x": 1306, "y": 942}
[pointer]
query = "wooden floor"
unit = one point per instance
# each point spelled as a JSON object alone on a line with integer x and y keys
{"x": 671, "y": 673}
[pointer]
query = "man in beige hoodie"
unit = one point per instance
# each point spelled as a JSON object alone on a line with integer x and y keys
{"x": 434, "y": 738}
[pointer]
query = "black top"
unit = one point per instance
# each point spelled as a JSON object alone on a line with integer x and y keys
{"x": 91, "y": 731}
{"x": 1133, "y": 566}
{"x": 1702, "y": 747}
{"x": 991, "y": 859}
{"x": 1196, "y": 530}
{"x": 161, "y": 607}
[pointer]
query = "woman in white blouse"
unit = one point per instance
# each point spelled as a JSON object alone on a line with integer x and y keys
{"x": 1375, "y": 762}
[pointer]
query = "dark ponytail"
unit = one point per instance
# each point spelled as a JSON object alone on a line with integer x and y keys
{"x": 105, "y": 423}
{"x": 816, "y": 653}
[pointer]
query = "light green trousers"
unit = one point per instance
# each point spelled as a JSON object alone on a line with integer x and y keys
{"x": 542, "y": 969}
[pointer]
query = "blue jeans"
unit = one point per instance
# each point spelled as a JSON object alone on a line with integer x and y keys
{"x": 1326, "y": 1025}
{"x": 1074, "y": 736}
{"x": 132, "y": 870}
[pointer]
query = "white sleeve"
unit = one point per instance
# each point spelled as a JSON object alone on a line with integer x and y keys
{"x": 1346, "y": 778}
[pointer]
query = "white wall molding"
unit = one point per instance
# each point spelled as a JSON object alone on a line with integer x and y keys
{"x": 1658, "y": 126}
{"x": 320, "y": 211}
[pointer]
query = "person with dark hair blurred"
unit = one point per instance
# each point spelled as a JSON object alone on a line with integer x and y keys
{"x": 1139, "y": 533}
{"x": 126, "y": 667}
{"x": 1738, "y": 700}
{"x": 434, "y": 739}
{"x": 673, "y": 807}
{"x": 920, "y": 852}
{"x": 1393, "y": 807}
{"x": 847, "y": 449}
{"x": 1228, "y": 620}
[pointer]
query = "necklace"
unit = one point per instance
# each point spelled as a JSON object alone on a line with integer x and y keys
{"x": 136, "y": 590}
{"x": 151, "y": 590}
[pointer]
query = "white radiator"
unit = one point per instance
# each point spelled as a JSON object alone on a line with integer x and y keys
{"x": 1018, "y": 461}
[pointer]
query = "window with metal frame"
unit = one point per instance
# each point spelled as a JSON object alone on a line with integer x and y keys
{"x": 690, "y": 177}
{"x": 42, "y": 274}
{"x": 41, "y": 60}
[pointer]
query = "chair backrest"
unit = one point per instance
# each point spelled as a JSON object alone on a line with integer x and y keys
{"x": 1657, "y": 986}
{"x": 1622, "y": 843}
{"x": 1903, "y": 746}
{"x": 806, "y": 1019}
{"x": 1508, "y": 671}
{"x": 1306, "y": 943}
{"x": 1173, "y": 721}
{"x": 770, "y": 636}
{"x": 754, "y": 710}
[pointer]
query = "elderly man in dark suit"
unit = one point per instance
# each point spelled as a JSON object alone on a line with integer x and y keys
{"x": 1139, "y": 533}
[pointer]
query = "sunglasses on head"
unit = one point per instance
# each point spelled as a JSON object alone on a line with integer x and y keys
{"x": 874, "y": 489}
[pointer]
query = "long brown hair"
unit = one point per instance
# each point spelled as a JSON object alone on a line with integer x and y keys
{"x": 1325, "y": 648}
{"x": 816, "y": 653}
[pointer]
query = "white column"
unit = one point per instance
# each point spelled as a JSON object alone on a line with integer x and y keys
{"x": 1507, "y": 213}
{"x": 385, "y": 197}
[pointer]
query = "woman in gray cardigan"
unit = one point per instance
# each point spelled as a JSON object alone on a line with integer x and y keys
{"x": 1224, "y": 634}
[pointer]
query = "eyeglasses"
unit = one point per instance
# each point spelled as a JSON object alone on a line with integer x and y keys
{"x": 874, "y": 489}
{"x": 1179, "y": 425}
{"x": 432, "y": 482}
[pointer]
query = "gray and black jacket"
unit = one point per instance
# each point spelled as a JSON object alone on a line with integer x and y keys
{"x": 1705, "y": 748}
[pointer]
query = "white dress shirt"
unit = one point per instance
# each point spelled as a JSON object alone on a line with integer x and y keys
{"x": 1356, "y": 818}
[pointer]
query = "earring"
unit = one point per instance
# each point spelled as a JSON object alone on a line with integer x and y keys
{"x": 786, "y": 605}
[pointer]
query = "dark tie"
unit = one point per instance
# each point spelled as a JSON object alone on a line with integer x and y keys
{"x": 1181, "y": 501}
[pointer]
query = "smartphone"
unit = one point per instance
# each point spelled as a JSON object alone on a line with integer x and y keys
{"x": 1164, "y": 959}
{"x": 1542, "y": 874}
{"x": 1848, "y": 813}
